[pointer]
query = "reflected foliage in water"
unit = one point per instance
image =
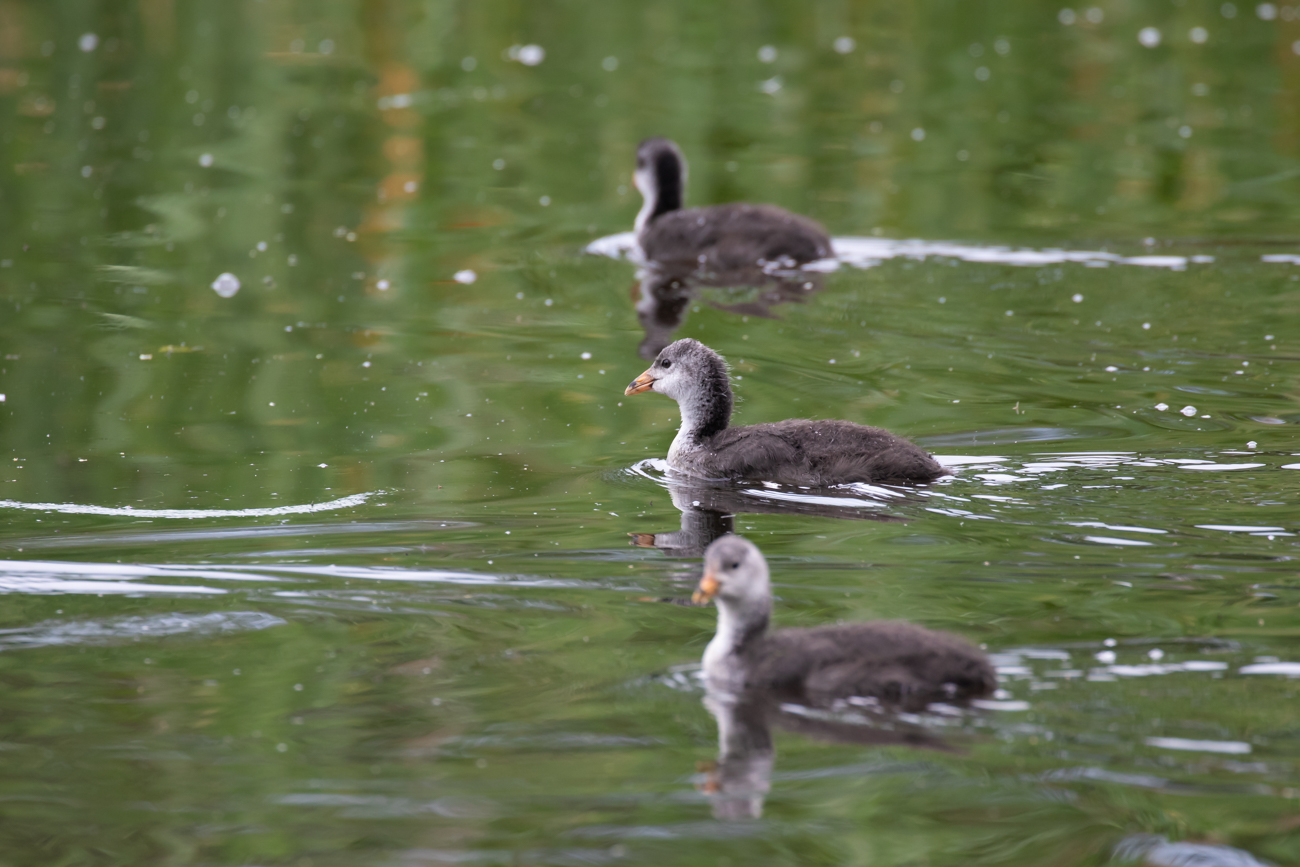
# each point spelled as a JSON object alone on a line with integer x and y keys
{"x": 363, "y": 561}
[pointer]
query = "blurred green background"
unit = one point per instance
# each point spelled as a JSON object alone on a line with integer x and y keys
{"x": 468, "y": 663}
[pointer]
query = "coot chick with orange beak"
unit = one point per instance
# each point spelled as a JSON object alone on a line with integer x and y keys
{"x": 794, "y": 452}
{"x": 895, "y": 662}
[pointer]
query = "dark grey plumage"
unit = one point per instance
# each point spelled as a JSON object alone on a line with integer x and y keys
{"x": 895, "y": 662}
{"x": 795, "y": 452}
{"x": 718, "y": 237}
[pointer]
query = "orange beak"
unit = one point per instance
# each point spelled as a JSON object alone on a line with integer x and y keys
{"x": 644, "y": 382}
{"x": 706, "y": 591}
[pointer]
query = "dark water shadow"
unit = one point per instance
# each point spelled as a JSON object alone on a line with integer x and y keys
{"x": 738, "y": 782}
{"x": 709, "y": 509}
{"x": 667, "y": 288}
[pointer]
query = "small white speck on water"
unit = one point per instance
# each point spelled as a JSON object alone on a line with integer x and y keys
{"x": 943, "y": 300}
{"x": 1066, "y": 17}
{"x": 918, "y": 134}
{"x": 1188, "y": 411}
{"x": 1110, "y": 642}
{"x": 1252, "y": 444}
{"x": 1110, "y": 368}
{"x": 226, "y": 285}
{"x": 586, "y": 356}
{"x": 609, "y": 64}
{"x": 1268, "y": 336}
{"x": 1146, "y": 326}
{"x": 1149, "y": 37}
{"x": 88, "y": 42}
{"x": 1185, "y": 131}
{"x": 1106, "y": 657}
{"x": 767, "y": 54}
{"x": 845, "y": 45}
{"x": 322, "y": 466}
{"x": 1162, "y": 406}
{"x": 529, "y": 55}
{"x": 271, "y": 403}
{"x": 206, "y": 161}
{"x": 282, "y": 748}
{"x": 382, "y": 285}
{"x": 1198, "y": 35}
{"x": 1011, "y": 313}
{"x": 365, "y": 364}
{"x": 1266, "y": 11}
{"x": 544, "y": 201}
{"x": 548, "y": 302}
{"x": 1076, "y": 298}
{"x": 465, "y": 276}
{"x": 832, "y": 361}
{"x": 1156, "y": 654}
{"x": 498, "y": 164}
{"x": 261, "y": 246}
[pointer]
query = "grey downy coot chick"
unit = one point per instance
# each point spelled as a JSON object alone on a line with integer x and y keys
{"x": 896, "y": 662}
{"x": 793, "y": 452}
{"x": 726, "y": 236}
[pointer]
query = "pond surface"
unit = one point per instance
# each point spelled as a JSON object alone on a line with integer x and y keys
{"x": 358, "y": 555}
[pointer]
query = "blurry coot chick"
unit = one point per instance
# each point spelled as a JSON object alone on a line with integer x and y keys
{"x": 895, "y": 662}
{"x": 721, "y": 236}
{"x": 793, "y": 452}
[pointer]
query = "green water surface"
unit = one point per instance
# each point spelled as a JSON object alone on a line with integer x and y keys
{"x": 460, "y": 655}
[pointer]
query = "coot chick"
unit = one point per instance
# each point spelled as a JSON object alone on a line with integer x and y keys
{"x": 794, "y": 452}
{"x": 895, "y": 662}
{"x": 720, "y": 236}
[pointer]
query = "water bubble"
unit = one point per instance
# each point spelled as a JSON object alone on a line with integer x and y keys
{"x": 976, "y": 50}
{"x": 87, "y": 171}
{"x": 1295, "y": 47}
{"x": 226, "y": 285}
{"x": 326, "y": 46}
{"x": 1228, "y": 10}
{"x": 1252, "y": 444}
{"x": 498, "y": 164}
{"x": 1095, "y": 15}
{"x": 531, "y": 55}
{"x": 1198, "y": 35}
{"x": 767, "y": 54}
{"x": 586, "y": 356}
{"x": 1188, "y": 411}
{"x": 1185, "y": 131}
{"x": 1162, "y": 406}
{"x": 1146, "y": 326}
{"x": 772, "y": 85}
{"x": 88, "y": 42}
{"x": 982, "y": 73}
{"x": 845, "y": 45}
{"x": 544, "y": 201}
{"x": 1156, "y": 654}
{"x": 548, "y": 302}
{"x": 1066, "y": 16}
{"x": 1110, "y": 368}
{"x": 1149, "y": 37}
{"x": 609, "y": 64}
{"x": 1105, "y": 657}
{"x": 1265, "y": 11}
{"x": 1076, "y": 298}
{"x": 468, "y": 64}
{"x": 1268, "y": 336}
{"x": 963, "y": 155}
{"x": 896, "y": 86}
{"x": 261, "y": 246}
{"x": 411, "y": 186}
{"x": 382, "y": 285}
{"x": 466, "y": 276}
{"x": 918, "y": 134}
{"x": 1002, "y": 46}
{"x": 1110, "y": 642}
{"x": 206, "y": 161}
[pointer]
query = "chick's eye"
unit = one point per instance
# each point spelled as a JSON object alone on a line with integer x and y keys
{"x": 733, "y": 565}
{"x": 665, "y": 363}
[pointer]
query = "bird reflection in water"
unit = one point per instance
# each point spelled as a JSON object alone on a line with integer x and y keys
{"x": 738, "y": 782}
{"x": 709, "y": 511}
{"x": 667, "y": 288}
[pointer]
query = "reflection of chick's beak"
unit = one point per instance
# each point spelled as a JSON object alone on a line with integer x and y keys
{"x": 644, "y": 382}
{"x": 706, "y": 591}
